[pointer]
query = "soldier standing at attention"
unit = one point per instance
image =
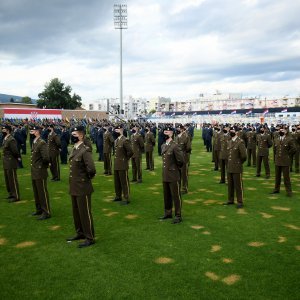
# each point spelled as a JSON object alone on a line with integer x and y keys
{"x": 223, "y": 155}
{"x": 54, "y": 146}
{"x": 123, "y": 153}
{"x": 64, "y": 141}
{"x": 39, "y": 164}
{"x": 172, "y": 162}
{"x": 216, "y": 147}
{"x": 108, "y": 142}
{"x": 11, "y": 155}
{"x": 284, "y": 148}
{"x": 184, "y": 142}
{"x": 82, "y": 170}
{"x": 137, "y": 143}
{"x": 251, "y": 146}
{"x": 295, "y": 135}
{"x": 236, "y": 157}
{"x": 264, "y": 142}
{"x": 149, "y": 145}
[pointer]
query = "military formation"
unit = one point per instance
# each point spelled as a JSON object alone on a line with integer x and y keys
{"x": 123, "y": 145}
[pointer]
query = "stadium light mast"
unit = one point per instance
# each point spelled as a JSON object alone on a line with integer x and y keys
{"x": 120, "y": 21}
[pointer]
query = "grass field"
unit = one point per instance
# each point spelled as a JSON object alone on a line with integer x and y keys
{"x": 216, "y": 253}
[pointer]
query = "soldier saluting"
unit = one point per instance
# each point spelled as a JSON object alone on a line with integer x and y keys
{"x": 82, "y": 170}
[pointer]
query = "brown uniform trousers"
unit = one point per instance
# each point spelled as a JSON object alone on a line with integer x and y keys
{"x": 264, "y": 142}
{"x": 295, "y": 157}
{"x": 82, "y": 169}
{"x": 284, "y": 148}
{"x": 137, "y": 143}
{"x": 39, "y": 174}
{"x": 10, "y": 165}
{"x": 149, "y": 146}
{"x": 108, "y": 142}
{"x": 173, "y": 160}
{"x": 54, "y": 145}
{"x": 216, "y": 149}
{"x": 223, "y": 155}
{"x": 251, "y": 148}
{"x": 236, "y": 157}
{"x": 123, "y": 152}
{"x": 184, "y": 142}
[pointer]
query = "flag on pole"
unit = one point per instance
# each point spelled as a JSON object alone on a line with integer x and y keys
{"x": 173, "y": 114}
{"x": 249, "y": 112}
{"x": 194, "y": 114}
{"x": 284, "y": 110}
{"x": 220, "y": 113}
{"x": 233, "y": 112}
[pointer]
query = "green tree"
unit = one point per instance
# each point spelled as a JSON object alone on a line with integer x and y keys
{"x": 26, "y": 100}
{"x": 57, "y": 95}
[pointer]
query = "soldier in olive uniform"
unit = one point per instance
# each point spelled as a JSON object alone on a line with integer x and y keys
{"x": 39, "y": 164}
{"x": 149, "y": 145}
{"x": 216, "y": 147}
{"x": 284, "y": 148}
{"x": 137, "y": 143}
{"x": 251, "y": 146}
{"x": 236, "y": 157}
{"x": 172, "y": 162}
{"x": 184, "y": 142}
{"x": 123, "y": 153}
{"x": 11, "y": 155}
{"x": 108, "y": 142}
{"x": 295, "y": 135}
{"x": 264, "y": 142}
{"x": 54, "y": 145}
{"x": 223, "y": 155}
{"x": 82, "y": 170}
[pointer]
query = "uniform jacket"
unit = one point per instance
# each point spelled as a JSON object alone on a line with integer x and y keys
{"x": 236, "y": 155}
{"x": 264, "y": 142}
{"x": 224, "y": 138}
{"x": 149, "y": 141}
{"x": 54, "y": 144}
{"x": 173, "y": 160}
{"x": 137, "y": 143}
{"x": 39, "y": 159}
{"x": 88, "y": 144}
{"x": 216, "y": 141}
{"x": 82, "y": 170}
{"x": 184, "y": 143}
{"x": 10, "y": 153}
{"x": 108, "y": 142}
{"x": 251, "y": 140}
{"x": 123, "y": 152}
{"x": 283, "y": 149}
{"x": 296, "y": 138}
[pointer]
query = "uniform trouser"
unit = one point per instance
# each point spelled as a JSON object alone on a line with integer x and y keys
{"x": 184, "y": 172}
{"x": 216, "y": 159}
{"x": 251, "y": 153}
{"x": 121, "y": 184}
{"x": 107, "y": 163}
{"x": 54, "y": 167}
{"x": 149, "y": 160}
{"x": 265, "y": 160}
{"x": 64, "y": 156}
{"x": 41, "y": 196}
{"x": 82, "y": 215}
{"x": 208, "y": 145}
{"x": 285, "y": 170}
{"x": 223, "y": 167}
{"x": 235, "y": 184}
{"x": 295, "y": 156}
{"x": 11, "y": 181}
{"x": 172, "y": 194}
{"x": 136, "y": 168}
{"x": 100, "y": 151}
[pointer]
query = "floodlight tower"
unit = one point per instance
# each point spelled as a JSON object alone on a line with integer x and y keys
{"x": 120, "y": 21}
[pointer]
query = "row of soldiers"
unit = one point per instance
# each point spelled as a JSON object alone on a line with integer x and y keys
{"x": 233, "y": 145}
{"x": 82, "y": 169}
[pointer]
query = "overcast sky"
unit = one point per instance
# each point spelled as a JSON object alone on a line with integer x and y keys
{"x": 172, "y": 48}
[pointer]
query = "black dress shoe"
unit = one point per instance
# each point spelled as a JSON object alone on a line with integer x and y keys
{"x": 86, "y": 243}
{"x": 222, "y": 181}
{"x": 75, "y": 238}
{"x": 240, "y": 205}
{"x": 13, "y": 200}
{"x": 43, "y": 217}
{"x": 165, "y": 217}
{"x": 117, "y": 199}
{"x": 228, "y": 203}
{"x": 124, "y": 202}
{"x": 183, "y": 192}
{"x": 10, "y": 197}
{"x": 275, "y": 192}
{"x": 177, "y": 221}
{"x": 36, "y": 213}
{"x": 147, "y": 169}
{"x": 133, "y": 180}
{"x": 257, "y": 175}
{"x": 139, "y": 181}
{"x": 55, "y": 179}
